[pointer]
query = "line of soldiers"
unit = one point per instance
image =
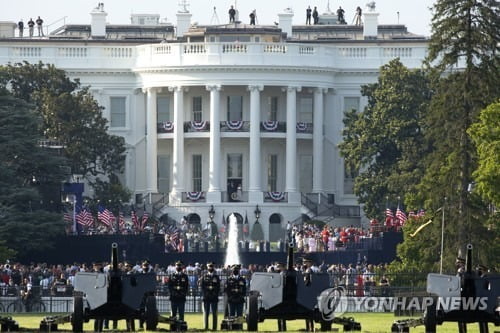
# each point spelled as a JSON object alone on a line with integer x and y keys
{"x": 210, "y": 283}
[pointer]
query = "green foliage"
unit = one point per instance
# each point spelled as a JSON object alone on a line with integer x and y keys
{"x": 26, "y": 170}
{"x": 69, "y": 116}
{"x": 385, "y": 141}
{"x": 486, "y": 135}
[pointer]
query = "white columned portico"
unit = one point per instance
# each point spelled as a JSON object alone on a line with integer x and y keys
{"x": 291, "y": 143}
{"x": 178, "y": 146}
{"x": 318, "y": 140}
{"x": 214, "y": 189}
{"x": 254, "y": 184}
{"x": 151, "y": 142}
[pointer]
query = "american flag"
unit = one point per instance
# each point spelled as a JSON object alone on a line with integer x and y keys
{"x": 135, "y": 220}
{"x": 421, "y": 213}
{"x": 85, "y": 218}
{"x": 173, "y": 232}
{"x": 388, "y": 212}
{"x": 105, "y": 216}
{"x": 401, "y": 216}
{"x": 121, "y": 221}
{"x": 68, "y": 217}
{"x": 144, "y": 220}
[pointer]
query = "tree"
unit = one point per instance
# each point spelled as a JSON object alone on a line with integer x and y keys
{"x": 486, "y": 135}
{"x": 465, "y": 34}
{"x": 70, "y": 116}
{"x": 385, "y": 142}
{"x": 25, "y": 168}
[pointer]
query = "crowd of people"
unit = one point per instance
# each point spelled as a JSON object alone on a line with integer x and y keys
{"x": 178, "y": 280}
{"x": 31, "y": 27}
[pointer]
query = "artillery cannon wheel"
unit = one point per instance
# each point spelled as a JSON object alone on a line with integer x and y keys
{"x": 430, "y": 318}
{"x": 151, "y": 313}
{"x": 253, "y": 312}
{"x": 77, "y": 319}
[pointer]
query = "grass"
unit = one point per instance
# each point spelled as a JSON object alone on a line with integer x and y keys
{"x": 370, "y": 323}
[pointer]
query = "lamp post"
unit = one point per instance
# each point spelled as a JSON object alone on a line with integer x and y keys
{"x": 257, "y": 212}
{"x": 211, "y": 213}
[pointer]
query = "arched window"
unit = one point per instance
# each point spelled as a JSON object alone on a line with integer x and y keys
{"x": 275, "y": 219}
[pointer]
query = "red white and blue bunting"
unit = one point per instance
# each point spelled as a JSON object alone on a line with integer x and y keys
{"x": 199, "y": 125}
{"x": 168, "y": 125}
{"x": 277, "y": 196}
{"x": 234, "y": 125}
{"x": 270, "y": 125}
{"x": 194, "y": 196}
{"x": 301, "y": 127}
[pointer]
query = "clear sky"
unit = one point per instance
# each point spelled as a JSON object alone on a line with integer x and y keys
{"x": 415, "y": 14}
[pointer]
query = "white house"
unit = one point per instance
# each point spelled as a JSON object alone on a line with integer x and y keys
{"x": 229, "y": 118}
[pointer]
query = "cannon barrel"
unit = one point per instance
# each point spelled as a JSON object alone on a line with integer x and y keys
{"x": 468, "y": 259}
{"x": 114, "y": 257}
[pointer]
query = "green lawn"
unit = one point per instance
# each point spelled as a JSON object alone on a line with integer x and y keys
{"x": 370, "y": 322}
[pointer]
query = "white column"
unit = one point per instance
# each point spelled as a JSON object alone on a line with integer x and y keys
{"x": 318, "y": 140}
{"x": 178, "y": 146}
{"x": 291, "y": 139}
{"x": 214, "y": 188}
{"x": 254, "y": 184}
{"x": 151, "y": 142}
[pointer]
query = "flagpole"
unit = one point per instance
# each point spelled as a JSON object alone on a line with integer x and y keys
{"x": 442, "y": 237}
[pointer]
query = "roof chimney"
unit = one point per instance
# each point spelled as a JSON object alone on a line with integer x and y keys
{"x": 285, "y": 21}
{"x": 370, "y": 26}
{"x": 98, "y": 23}
{"x": 183, "y": 22}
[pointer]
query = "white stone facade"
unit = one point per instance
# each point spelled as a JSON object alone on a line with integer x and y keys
{"x": 277, "y": 109}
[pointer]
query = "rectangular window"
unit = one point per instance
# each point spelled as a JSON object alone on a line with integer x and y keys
{"x": 117, "y": 106}
{"x": 273, "y": 108}
{"x": 234, "y": 108}
{"x": 163, "y": 108}
{"x": 351, "y": 103}
{"x": 197, "y": 179}
{"x": 234, "y": 166}
{"x": 163, "y": 173}
{"x": 197, "y": 109}
{"x": 272, "y": 173}
{"x": 305, "y": 109}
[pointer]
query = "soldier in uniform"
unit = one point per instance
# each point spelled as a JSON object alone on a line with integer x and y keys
{"x": 210, "y": 288}
{"x": 178, "y": 286}
{"x": 236, "y": 290}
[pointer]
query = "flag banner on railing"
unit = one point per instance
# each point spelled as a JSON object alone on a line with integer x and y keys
{"x": 270, "y": 125}
{"x": 194, "y": 196}
{"x": 301, "y": 127}
{"x": 277, "y": 196}
{"x": 234, "y": 124}
{"x": 168, "y": 125}
{"x": 199, "y": 125}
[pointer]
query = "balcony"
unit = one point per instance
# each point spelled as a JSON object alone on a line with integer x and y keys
{"x": 196, "y": 126}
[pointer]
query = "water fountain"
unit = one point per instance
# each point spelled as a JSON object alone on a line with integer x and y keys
{"x": 232, "y": 255}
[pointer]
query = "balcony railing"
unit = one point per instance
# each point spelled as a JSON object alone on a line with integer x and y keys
{"x": 234, "y": 126}
{"x": 273, "y": 126}
{"x": 197, "y": 126}
{"x": 193, "y": 197}
{"x": 165, "y": 127}
{"x": 236, "y": 196}
{"x": 276, "y": 197}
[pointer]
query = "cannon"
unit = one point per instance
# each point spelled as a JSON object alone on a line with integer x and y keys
{"x": 469, "y": 297}
{"x": 290, "y": 295}
{"x": 114, "y": 295}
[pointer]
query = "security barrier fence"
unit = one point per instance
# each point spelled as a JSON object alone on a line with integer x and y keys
{"x": 58, "y": 299}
